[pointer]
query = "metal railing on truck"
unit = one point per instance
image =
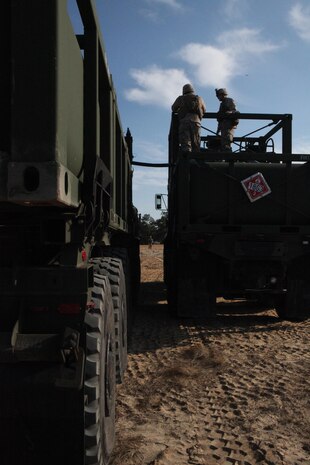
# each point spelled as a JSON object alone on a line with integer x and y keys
{"x": 258, "y": 144}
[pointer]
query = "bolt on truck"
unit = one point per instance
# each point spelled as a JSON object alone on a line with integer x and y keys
{"x": 69, "y": 262}
{"x": 239, "y": 222}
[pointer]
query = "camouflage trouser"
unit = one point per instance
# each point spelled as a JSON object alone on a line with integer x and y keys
{"x": 227, "y": 134}
{"x": 189, "y": 136}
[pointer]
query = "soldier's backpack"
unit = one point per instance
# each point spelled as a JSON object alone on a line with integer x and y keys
{"x": 193, "y": 105}
{"x": 190, "y": 105}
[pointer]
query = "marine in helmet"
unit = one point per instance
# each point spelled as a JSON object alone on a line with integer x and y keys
{"x": 190, "y": 109}
{"x": 227, "y": 119}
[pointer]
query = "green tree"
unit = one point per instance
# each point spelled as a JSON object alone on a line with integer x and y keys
{"x": 155, "y": 229}
{"x": 161, "y": 228}
{"x": 147, "y": 228}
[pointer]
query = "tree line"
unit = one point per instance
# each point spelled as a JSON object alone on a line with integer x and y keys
{"x": 153, "y": 230}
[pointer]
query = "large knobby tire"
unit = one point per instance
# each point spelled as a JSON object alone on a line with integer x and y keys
{"x": 131, "y": 265}
{"x": 41, "y": 423}
{"x": 122, "y": 254}
{"x": 99, "y": 382}
{"x": 112, "y": 268}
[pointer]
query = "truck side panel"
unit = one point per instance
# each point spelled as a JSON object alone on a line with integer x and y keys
{"x": 47, "y": 96}
{"x": 217, "y": 196}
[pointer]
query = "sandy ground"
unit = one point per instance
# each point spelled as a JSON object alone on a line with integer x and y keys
{"x": 233, "y": 390}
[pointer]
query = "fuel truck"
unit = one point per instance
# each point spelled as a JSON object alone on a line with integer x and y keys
{"x": 69, "y": 262}
{"x": 239, "y": 221}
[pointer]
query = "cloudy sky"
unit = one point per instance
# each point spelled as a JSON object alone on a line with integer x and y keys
{"x": 259, "y": 50}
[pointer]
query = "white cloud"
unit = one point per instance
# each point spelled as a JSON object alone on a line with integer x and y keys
{"x": 299, "y": 19}
{"x": 210, "y": 65}
{"x": 146, "y": 151}
{"x": 150, "y": 152}
{"x": 151, "y": 15}
{"x": 156, "y": 86}
{"x": 217, "y": 65}
{"x": 235, "y": 9}
{"x": 302, "y": 145}
{"x": 154, "y": 11}
{"x": 245, "y": 40}
{"x": 150, "y": 177}
{"x": 175, "y": 4}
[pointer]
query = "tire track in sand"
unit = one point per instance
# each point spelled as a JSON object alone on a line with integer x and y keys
{"x": 229, "y": 391}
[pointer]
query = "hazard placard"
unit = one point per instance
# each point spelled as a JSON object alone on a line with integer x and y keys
{"x": 256, "y": 187}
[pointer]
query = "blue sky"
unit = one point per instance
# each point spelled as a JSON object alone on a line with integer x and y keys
{"x": 259, "y": 50}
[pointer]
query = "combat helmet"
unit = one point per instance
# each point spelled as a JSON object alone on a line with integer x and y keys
{"x": 221, "y": 91}
{"x": 188, "y": 89}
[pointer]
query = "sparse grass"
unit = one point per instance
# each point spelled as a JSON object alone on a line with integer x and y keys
{"x": 195, "y": 364}
{"x": 127, "y": 451}
{"x": 204, "y": 356}
{"x": 192, "y": 364}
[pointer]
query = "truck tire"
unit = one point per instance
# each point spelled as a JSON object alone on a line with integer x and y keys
{"x": 112, "y": 268}
{"x": 171, "y": 278}
{"x": 43, "y": 424}
{"x": 131, "y": 264}
{"x": 99, "y": 383}
{"x": 292, "y": 305}
{"x": 122, "y": 254}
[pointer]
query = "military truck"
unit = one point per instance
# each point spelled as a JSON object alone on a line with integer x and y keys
{"x": 239, "y": 222}
{"x": 69, "y": 262}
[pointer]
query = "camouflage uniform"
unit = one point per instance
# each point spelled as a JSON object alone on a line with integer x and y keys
{"x": 189, "y": 121}
{"x": 226, "y": 120}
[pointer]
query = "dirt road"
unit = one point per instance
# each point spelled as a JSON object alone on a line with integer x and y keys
{"x": 234, "y": 390}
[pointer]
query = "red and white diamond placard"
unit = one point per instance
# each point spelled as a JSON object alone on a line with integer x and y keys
{"x": 255, "y": 187}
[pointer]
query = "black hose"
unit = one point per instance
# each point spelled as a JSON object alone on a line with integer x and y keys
{"x": 153, "y": 165}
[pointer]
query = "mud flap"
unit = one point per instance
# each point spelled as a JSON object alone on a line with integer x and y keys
{"x": 195, "y": 300}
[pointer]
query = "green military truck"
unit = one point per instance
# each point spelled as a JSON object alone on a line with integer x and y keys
{"x": 69, "y": 262}
{"x": 239, "y": 222}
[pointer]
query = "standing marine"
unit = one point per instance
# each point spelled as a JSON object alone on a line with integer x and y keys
{"x": 190, "y": 109}
{"x": 227, "y": 119}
